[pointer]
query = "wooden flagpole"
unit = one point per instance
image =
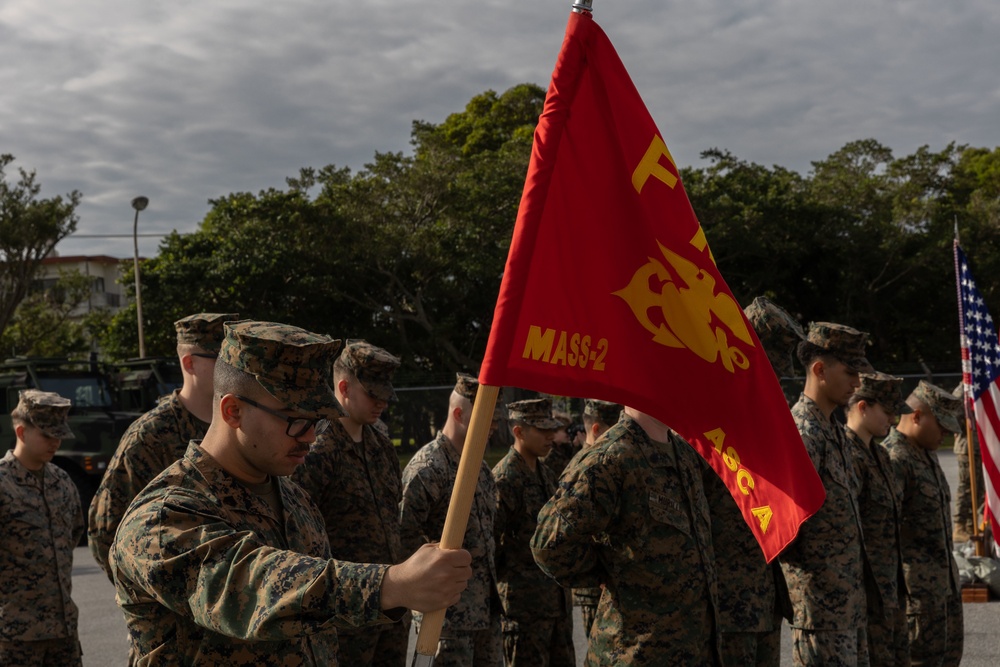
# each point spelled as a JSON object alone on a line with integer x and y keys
{"x": 457, "y": 519}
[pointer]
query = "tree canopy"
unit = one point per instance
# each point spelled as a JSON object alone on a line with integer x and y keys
{"x": 409, "y": 251}
{"x": 30, "y": 228}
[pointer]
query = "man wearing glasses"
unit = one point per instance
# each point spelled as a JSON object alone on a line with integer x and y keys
{"x": 160, "y": 436}
{"x": 353, "y": 476}
{"x": 222, "y": 560}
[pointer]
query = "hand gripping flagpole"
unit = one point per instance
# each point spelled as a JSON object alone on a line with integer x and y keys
{"x": 457, "y": 519}
{"x": 465, "y": 486}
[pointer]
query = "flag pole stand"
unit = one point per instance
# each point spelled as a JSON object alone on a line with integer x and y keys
{"x": 457, "y": 519}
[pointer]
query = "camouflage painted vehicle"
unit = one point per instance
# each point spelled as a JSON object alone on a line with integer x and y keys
{"x": 140, "y": 384}
{"x": 95, "y": 418}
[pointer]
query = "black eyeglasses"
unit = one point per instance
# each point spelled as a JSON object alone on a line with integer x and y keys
{"x": 297, "y": 426}
{"x": 205, "y": 355}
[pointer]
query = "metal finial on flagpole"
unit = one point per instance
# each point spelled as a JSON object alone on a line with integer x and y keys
{"x": 581, "y": 6}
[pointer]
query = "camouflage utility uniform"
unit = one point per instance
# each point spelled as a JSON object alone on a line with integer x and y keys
{"x": 150, "y": 445}
{"x": 558, "y": 457}
{"x": 824, "y": 567}
{"x": 963, "y": 516}
{"x": 879, "y": 500}
{"x": 631, "y": 514}
{"x": 536, "y": 611}
{"x": 933, "y": 596}
{"x": 471, "y": 633}
{"x": 40, "y": 524}
{"x": 207, "y": 574}
{"x": 752, "y": 595}
{"x": 357, "y": 487}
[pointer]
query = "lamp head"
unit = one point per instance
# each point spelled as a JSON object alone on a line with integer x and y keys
{"x": 140, "y": 203}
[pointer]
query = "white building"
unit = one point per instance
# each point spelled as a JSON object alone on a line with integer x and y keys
{"x": 105, "y": 273}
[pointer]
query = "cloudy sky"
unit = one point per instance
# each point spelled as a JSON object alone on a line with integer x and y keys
{"x": 185, "y": 101}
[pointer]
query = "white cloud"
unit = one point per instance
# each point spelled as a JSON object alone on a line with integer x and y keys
{"x": 187, "y": 101}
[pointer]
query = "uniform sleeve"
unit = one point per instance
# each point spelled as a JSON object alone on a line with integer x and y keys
{"x": 184, "y": 556}
{"x": 79, "y": 527}
{"x": 126, "y": 476}
{"x": 574, "y": 522}
{"x": 414, "y": 511}
{"x": 503, "y": 525}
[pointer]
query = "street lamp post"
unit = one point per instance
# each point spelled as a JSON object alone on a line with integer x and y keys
{"x": 139, "y": 204}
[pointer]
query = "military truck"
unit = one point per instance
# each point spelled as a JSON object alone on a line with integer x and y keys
{"x": 140, "y": 384}
{"x": 95, "y": 418}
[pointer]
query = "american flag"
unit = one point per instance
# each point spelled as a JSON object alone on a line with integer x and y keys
{"x": 980, "y": 372}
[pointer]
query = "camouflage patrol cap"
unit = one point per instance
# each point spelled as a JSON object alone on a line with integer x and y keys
{"x": 883, "y": 389}
{"x": 843, "y": 342}
{"x": 47, "y": 411}
{"x": 466, "y": 386}
{"x": 778, "y": 332}
{"x": 943, "y": 404}
{"x": 204, "y": 330}
{"x": 604, "y": 412}
{"x": 535, "y": 412}
{"x": 292, "y": 364}
{"x": 372, "y": 366}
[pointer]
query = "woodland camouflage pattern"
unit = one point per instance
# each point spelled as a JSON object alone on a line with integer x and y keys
{"x": 47, "y": 411}
{"x": 151, "y": 444}
{"x": 372, "y": 366}
{"x": 879, "y": 498}
{"x": 205, "y": 330}
{"x": 752, "y": 595}
{"x": 846, "y": 344}
{"x": 929, "y": 569}
{"x": 527, "y": 596}
{"x": 632, "y": 514}
{"x": 824, "y": 567}
{"x": 777, "y": 331}
{"x": 292, "y": 364}
{"x": 206, "y": 574}
{"x": 361, "y": 516}
{"x": 558, "y": 457}
{"x": 945, "y": 406}
{"x": 40, "y": 525}
{"x": 428, "y": 480}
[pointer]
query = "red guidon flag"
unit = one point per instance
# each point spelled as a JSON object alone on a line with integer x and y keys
{"x": 611, "y": 292}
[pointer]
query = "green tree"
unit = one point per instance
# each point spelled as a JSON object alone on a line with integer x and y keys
{"x": 30, "y": 228}
{"x": 42, "y": 327}
{"x": 408, "y": 252}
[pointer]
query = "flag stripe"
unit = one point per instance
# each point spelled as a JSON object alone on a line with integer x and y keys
{"x": 980, "y": 377}
{"x": 988, "y": 422}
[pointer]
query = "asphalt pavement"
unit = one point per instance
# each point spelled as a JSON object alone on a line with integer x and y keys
{"x": 104, "y": 639}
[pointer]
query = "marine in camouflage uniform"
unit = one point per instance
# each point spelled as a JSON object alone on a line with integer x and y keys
{"x": 872, "y": 410}
{"x": 353, "y": 476}
{"x": 222, "y": 560}
{"x": 752, "y": 594}
{"x": 536, "y": 616}
{"x": 631, "y": 514}
{"x": 824, "y": 567}
{"x": 598, "y": 417}
{"x": 933, "y": 595}
{"x": 963, "y": 515}
{"x": 41, "y": 522}
{"x": 563, "y": 447}
{"x": 161, "y": 436}
{"x": 471, "y": 633}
